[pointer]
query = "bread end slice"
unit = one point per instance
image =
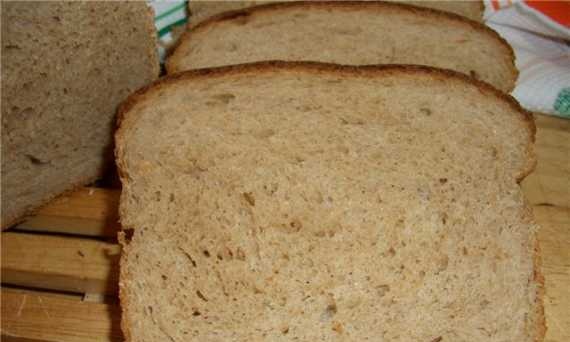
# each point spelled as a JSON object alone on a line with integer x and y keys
{"x": 60, "y": 93}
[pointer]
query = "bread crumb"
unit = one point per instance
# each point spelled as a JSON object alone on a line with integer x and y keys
{"x": 337, "y": 327}
{"x": 224, "y": 98}
{"x": 201, "y": 296}
{"x": 240, "y": 254}
{"x": 443, "y": 263}
{"x": 296, "y": 225}
{"x": 249, "y": 198}
{"x": 382, "y": 290}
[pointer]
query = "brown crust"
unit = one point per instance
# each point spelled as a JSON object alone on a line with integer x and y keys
{"x": 153, "y": 36}
{"x": 482, "y": 8}
{"x": 361, "y": 71}
{"x": 538, "y": 277}
{"x": 537, "y": 320}
{"x": 123, "y": 293}
{"x": 351, "y": 5}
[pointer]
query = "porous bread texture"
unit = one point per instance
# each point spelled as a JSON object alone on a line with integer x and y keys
{"x": 356, "y": 33}
{"x": 65, "y": 68}
{"x": 203, "y": 9}
{"x": 303, "y": 201}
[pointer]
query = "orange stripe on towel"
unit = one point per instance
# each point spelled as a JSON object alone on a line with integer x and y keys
{"x": 558, "y": 11}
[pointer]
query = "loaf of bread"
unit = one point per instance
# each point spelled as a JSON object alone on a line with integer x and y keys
{"x": 203, "y": 9}
{"x": 285, "y": 201}
{"x": 66, "y": 65}
{"x": 355, "y": 33}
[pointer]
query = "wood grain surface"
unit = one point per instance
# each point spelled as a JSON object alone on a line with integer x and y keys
{"x": 59, "y": 263}
{"x": 39, "y": 316}
{"x": 87, "y": 211}
{"x": 88, "y": 266}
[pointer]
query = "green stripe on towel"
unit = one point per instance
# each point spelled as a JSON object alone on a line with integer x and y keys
{"x": 168, "y": 28}
{"x": 170, "y": 11}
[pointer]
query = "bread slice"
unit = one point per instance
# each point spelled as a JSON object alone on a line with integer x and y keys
{"x": 65, "y": 68}
{"x": 304, "y": 201}
{"x": 203, "y": 9}
{"x": 355, "y": 33}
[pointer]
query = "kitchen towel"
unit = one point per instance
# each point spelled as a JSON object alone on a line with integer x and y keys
{"x": 539, "y": 32}
{"x": 170, "y": 17}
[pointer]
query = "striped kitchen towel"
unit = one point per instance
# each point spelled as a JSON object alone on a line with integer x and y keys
{"x": 539, "y": 32}
{"x": 170, "y": 17}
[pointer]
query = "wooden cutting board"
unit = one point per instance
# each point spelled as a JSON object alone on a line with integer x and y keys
{"x": 74, "y": 277}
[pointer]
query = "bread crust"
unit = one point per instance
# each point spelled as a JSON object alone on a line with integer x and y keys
{"x": 172, "y": 60}
{"x": 123, "y": 293}
{"x": 540, "y": 293}
{"x": 124, "y": 122}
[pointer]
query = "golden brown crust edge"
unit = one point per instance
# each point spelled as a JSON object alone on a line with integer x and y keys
{"x": 482, "y": 9}
{"x": 375, "y": 5}
{"x": 540, "y": 293}
{"x": 153, "y": 36}
{"x": 538, "y": 321}
{"x": 123, "y": 293}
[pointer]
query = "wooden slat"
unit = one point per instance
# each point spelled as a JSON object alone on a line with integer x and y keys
{"x": 59, "y": 263}
{"x": 87, "y": 211}
{"x": 37, "y": 316}
{"x": 550, "y": 181}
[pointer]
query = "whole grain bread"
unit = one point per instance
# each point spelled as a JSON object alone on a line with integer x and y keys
{"x": 356, "y": 33}
{"x": 303, "y": 201}
{"x": 203, "y": 9}
{"x": 65, "y": 68}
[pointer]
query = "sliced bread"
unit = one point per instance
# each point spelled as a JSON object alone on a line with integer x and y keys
{"x": 303, "y": 201}
{"x": 203, "y": 9}
{"x": 355, "y": 33}
{"x": 65, "y": 68}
